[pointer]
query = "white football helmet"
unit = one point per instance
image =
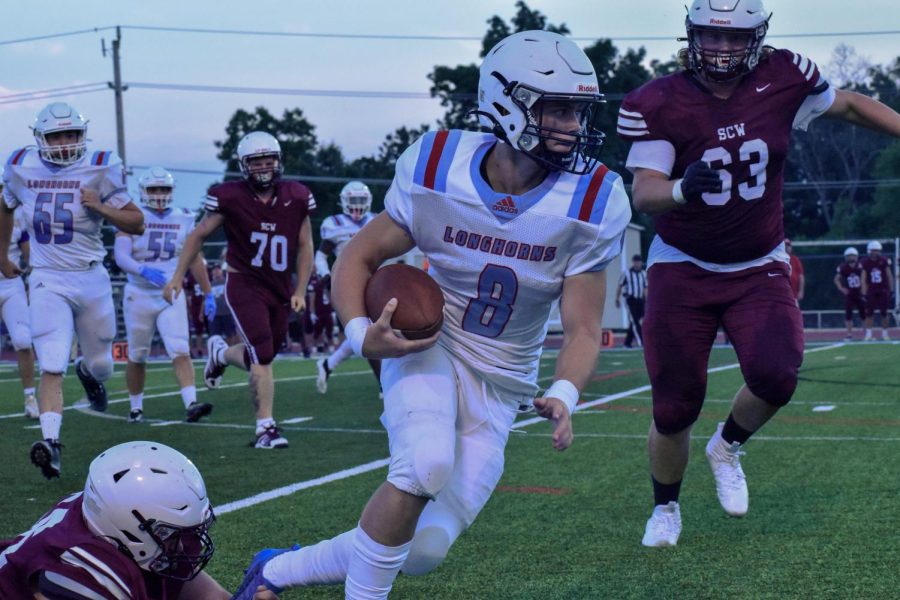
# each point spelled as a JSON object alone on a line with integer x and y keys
{"x": 851, "y": 251}
{"x": 54, "y": 118}
{"x": 156, "y": 186}
{"x": 742, "y": 22}
{"x": 873, "y": 246}
{"x": 520, "y": 74}
{"x": 150, "y": 501}
{"x": 356, "y": 200}
{"x": 254, "y": 145}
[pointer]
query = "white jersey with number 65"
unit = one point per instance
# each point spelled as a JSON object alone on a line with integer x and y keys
{"x": 63, "y": 234}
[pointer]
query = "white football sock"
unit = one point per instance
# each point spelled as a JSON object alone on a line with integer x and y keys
{"x": 263, "y": 423}
{"x": 137, "y": 401}
{"x": 29, "y": 391}
{"x": 322, "y": 564}
{"x": 373, "y": 568}
{"x": 189, "y": 395}
{"x": 51, "y": 422}
{"x": 344, "y": 351}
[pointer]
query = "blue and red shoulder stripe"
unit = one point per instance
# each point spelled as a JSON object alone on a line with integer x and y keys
{"x": 435, "y": 158}
{"x": 591, "y": 195}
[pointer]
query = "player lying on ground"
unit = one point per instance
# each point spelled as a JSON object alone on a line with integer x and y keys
{"x": 139, "y": 531}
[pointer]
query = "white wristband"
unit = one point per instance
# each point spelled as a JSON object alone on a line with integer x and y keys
{"x": 564, "y": 390}
{"x": 678, "y": 193}
{"x": 355, "y": 331}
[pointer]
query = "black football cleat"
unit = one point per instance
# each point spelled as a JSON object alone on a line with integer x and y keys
{"x": 95, "y": 390}
{"x": 45, "y": 456}
{"x": 198, "y": 410}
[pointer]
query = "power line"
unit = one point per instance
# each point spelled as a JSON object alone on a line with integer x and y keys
{"x": 409, "y": 38}
{"x": 286, "y": 91}
{"x": 792, "y": 185}
{"x": 54, "y": 35}
{"x": 44, "y": 94}
{"x": 307, "y": 178}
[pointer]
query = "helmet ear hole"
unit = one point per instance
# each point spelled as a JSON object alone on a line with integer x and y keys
{"x": 501, "y": 109}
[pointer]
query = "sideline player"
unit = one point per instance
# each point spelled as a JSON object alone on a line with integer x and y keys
{"x": 149, "y": 259}
{"x": 878, "y": 283}
{"x": 708, "y": 160}
{"x": 848, "y": 281}
{"x": 66, "y": 192}
{"x": 14, "y": 310}
{"x": 139, "y": 530}
{"x": 266, "y": 222}
{"x": 336, "y": 232}
{"x": 510, "y": 221}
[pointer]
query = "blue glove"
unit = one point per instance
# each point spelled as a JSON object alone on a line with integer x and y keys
{"x": 209, "y": 306}
{"x": 154, "y": 276}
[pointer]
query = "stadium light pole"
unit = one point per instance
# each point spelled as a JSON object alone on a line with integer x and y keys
{"x": 118, "y": 88}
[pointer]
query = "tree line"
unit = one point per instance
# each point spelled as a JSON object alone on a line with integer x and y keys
{"x": 841, "y": 181}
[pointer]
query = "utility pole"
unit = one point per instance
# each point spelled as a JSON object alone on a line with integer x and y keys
{"x": 118, "y": 88}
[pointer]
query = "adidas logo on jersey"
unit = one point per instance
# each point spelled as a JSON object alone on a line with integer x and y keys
{"x": 505, "y": 205}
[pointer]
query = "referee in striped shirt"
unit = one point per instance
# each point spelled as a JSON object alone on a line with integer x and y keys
{"x": 633, "y": 285}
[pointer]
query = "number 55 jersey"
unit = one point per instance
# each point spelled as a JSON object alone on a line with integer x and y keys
{"x": 161, "y": 243}
{"x": 674, "y": 121}
{"x": 64, "y": 235}
{"x": 499, "y": 259}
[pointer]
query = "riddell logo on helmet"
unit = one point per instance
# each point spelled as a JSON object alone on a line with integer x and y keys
{"x": 587, "y": 87}
{"x": 714, "y": 21}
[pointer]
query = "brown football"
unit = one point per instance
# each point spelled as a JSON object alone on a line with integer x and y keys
{"x": 420, "y": 302}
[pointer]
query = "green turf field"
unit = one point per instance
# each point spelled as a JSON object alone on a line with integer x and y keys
{"x": 823, "y": 520}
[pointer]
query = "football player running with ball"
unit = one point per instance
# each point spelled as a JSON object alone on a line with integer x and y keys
{"x": 267, "y": 227}
{"x": 709, "y": 145}
{"x": 65, "y": 193}
{"x": 149, "y": 259}
{"x": 510, "y": 221}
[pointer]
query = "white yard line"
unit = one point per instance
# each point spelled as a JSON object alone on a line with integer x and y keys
{"x": 124, "y": 398}
{"x": 378, "y": 464}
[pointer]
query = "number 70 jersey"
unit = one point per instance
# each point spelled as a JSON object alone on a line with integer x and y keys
{"x": 63, "y": 234}
{"x": 500, "y": 260}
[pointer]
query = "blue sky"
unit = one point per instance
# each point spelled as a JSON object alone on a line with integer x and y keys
{"x": 177, "y": 129}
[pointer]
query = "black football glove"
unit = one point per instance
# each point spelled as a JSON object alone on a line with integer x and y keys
{"x": 699, "y": 179}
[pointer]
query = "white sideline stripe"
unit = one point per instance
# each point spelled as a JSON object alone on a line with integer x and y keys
{"x": 224, "y": 509}
{"x": 792, "y": 402}
{"x": 295, "y": 420}
{"x": 80, "y": 404}
{"x": 762, "y": 438}
{"x": 378, "y": 464}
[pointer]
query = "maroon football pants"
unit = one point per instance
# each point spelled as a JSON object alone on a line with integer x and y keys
{"x": 685, "y": 307}
{"x": 851, "y": 301}
{"x": 260, "y": 315}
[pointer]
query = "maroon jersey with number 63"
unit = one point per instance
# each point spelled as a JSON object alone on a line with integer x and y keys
{"x": 73, "y": 559}
{"x": 262, "y": 239}
{"x": 876, "y": 269}
{"x": 745, "y": 137}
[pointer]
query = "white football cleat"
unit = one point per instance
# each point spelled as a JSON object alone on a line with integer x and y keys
{"x": 214, "y": 370}
{"x": 31, "y": 407}
{"x": 731, "y": 485}
{"x": 663, "y": 526}
{"x": 322, "y": 373}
